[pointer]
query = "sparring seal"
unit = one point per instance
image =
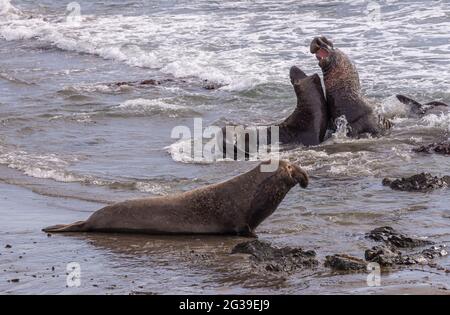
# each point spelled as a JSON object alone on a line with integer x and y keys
{"x": 307, "y": 125}
{"x": 236, "y": 206}
{"x": 343, "y": 91}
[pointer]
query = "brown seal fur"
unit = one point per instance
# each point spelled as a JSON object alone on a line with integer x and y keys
{"x": 236, "y": 206}
{"x": 343, "y": 91}
{"x": 307, "y": 124}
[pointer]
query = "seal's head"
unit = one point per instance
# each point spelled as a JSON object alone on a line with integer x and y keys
{"x": 295, "y": 174}
{"x": 338, "y": 70}
{"x": 324, "y": 51}
{"x": 304, "y": 85}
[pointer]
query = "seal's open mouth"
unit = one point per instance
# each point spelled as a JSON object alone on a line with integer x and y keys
{"x": 322, "y": 53}
{"x": 322, "y": 48}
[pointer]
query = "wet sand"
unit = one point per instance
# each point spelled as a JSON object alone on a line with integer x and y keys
{"x": 137, "y": 264}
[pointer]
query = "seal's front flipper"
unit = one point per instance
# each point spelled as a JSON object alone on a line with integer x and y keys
{"x": 416, "y": 107}
{"x": 61, "y": 228}
{"x": 436, "y": 103}
{"x": 408, "y": 101}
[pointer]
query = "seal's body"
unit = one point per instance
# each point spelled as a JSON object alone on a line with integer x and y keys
{"x": 307, "y": 125}
{"x": 343, "y": 91}
{"x": 419, "y": 109}
{"x": 236, "y": 206}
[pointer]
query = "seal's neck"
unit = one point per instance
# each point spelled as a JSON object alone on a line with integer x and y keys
{"x": 267, "y": 198}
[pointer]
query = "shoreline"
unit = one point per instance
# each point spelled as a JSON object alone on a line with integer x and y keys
{"x": 139, "y": 264}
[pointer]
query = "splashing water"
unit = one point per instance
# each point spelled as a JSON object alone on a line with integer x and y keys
{"x": 342, "y": 128}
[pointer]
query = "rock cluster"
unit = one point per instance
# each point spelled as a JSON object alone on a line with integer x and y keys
{"x": 439, "y": 148}
{"x": 275, "y": 259}
{"x": 424, "y": 182}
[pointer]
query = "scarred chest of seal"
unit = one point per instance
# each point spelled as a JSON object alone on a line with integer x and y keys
{"x": 343, "y": 90}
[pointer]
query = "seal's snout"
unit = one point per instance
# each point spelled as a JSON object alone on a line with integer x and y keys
{"x": 296, "y": 74}
{"x": 320, "y": 43}
{"x": 322, "y": 48}
{"x": 299, "y": 175}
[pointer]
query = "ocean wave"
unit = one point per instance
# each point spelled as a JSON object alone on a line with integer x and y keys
{"x": 441, "y": 121}
{"x": 242, "y": 51}
{"x": 11, "y": 78}
{"x": 47, "y": 166}
{"x": 151, "y": 107}
{"x": 163, "y": 107}
{"x": 391, "y": 107}
{"x": 53, "y": 167}
{"x": 8, "y": 11}
{"x": 184, "y": 151}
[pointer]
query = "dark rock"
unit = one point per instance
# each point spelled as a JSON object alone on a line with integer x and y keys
{"x": 383, "y": 255}
{"x": 435, "y": 252}
{"x": 424, "y": 182}
{"x": 345, "y": 263}
{"x": 389, "y": 256}
{"x": 122, "y": 83}
{"x": 208, "y": 85}
{"x": 439, "y": 148}
{"x": 150, "y": 82}
{"x": 135, "y": 83}
{"x": 8, "y": 246}
{"x": 446, "y": 179}
{"x": 275, "y": 259}
{"x": 14, "y": 280}
{"x": 390, "y": 236}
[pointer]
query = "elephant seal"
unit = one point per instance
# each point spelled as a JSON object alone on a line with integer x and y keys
{"x": 307, "y": 125}
{"x": 236, "y": 206}
{"x": 343, "y": 91}
{"x": 419, "y": 109}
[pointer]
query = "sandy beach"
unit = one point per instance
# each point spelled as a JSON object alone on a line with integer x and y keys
{"x": 137, "y": 264}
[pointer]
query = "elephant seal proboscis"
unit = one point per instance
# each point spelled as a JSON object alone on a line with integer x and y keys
{"x": 343, "y": 91}
{"x": 236, "y": 206}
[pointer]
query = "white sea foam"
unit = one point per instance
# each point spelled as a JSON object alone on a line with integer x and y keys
{"x": 51, "y": 166}
{"x": 154, "y": 107}
{"x": 244, "y": 49}
{"x": 437, "y": 121}
{"x": 47, "y": 166}
{"x": 392, "y": 107}
{"x": 8, "y": 11}
{"x": 183, "y": 151}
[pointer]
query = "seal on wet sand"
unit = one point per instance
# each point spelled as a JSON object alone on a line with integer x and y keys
{"x": 236, "y": 206}
{"x": 343, "y": 91}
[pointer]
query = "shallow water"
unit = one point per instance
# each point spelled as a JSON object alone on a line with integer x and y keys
{"x": 72, "y": 139}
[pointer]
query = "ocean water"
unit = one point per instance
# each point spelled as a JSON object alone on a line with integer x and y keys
{"x": 68, "y": 132}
